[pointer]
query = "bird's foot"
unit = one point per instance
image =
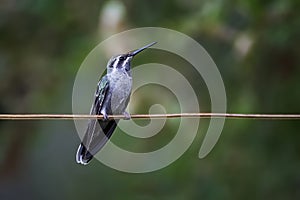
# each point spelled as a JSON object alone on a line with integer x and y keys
{"x": 126, "y": 116}
{"x": 105, "y": 116}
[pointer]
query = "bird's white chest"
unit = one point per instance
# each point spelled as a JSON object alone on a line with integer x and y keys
{"x": 120, "y": 87}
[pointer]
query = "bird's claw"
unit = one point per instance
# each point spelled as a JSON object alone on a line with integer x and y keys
{"x": 127, "y": 116}
{"x": 105, "y": 116}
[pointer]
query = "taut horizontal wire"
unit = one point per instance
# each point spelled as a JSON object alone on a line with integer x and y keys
{"x": 147, "y": 116}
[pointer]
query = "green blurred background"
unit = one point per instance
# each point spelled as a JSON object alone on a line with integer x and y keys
{"x": 255, "y": 45}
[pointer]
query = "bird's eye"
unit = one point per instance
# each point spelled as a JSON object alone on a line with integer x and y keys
{"x": 122, "y": 58}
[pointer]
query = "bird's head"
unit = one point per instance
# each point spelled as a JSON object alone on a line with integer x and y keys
{"x": 122, "y": 61}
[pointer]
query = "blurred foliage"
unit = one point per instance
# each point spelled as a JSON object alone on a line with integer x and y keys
{"x": 255, "y": 46}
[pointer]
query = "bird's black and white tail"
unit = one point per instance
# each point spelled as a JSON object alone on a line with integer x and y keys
{"x": 97, "y": 135}
{"x": 82, "y": 155}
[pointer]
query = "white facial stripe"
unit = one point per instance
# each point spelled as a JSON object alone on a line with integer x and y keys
{"x": 126, "y": 61}
{"x": 116, "y": 62}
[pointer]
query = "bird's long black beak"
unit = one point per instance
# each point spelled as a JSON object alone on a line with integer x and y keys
{"x": 133, "y": 53}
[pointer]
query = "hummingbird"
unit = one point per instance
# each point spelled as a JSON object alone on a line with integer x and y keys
{"x": 111, "y": 97}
